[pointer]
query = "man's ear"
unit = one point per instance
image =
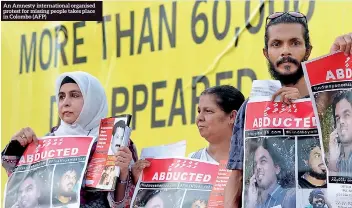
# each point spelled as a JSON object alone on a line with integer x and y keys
{"x": 308, "y": 51}
{"x": 265, "y": 53}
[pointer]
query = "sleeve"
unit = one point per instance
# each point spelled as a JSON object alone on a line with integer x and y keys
{"x": 126, "y": 201}
{"x": 197, "y": 154}
{"x": 11, "y": 155}
{"x": 236, "y": 153}
{"x": 130, "y": 187}
{"x": 190, "y": 155}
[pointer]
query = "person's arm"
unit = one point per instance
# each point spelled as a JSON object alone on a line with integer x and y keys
{"x": 122, "y": 196}
{"x": 16, "y": 147}
{"x": 233, "y": 189}
{"x": 11, "y": 155}
{"x": 121, "y": 186}
{"x": 343, "y": 43}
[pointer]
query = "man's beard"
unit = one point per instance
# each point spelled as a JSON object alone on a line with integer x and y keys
{"x": 319, "y": 176}
{"x": 319, "y": 205}
{"x": 286, "y": 79}
{"x": 68, "y": 193}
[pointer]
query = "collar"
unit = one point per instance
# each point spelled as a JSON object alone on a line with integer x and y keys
{"x": 275, "y": 190}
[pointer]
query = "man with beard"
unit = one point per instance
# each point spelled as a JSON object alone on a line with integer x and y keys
{"x": 317, "y": 200}
{"x": 312, "y": 171}
{"x": 287, "y": 44}
{"x": 340, "y": 144}
{"x": 67, "y": 179}
{"x": 28, "y": 193}
{"x": 265, "y": 186}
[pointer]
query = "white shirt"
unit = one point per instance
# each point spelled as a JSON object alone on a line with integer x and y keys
{"x": 203, "y": 156}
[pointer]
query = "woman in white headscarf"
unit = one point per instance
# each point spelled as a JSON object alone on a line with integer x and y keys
{"x": 82, "y": 104}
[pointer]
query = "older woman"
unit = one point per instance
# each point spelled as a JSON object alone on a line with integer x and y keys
{"x": 82, "y": 104}
{"x": 217, "y": 110}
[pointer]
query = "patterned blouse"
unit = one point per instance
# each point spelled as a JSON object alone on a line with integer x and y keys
{"x": 89, "y": 199}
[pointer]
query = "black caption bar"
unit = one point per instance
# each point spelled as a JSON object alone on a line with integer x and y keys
{"x": 332, "y": 86}
{"x": 340, "y": 179}
{"x": 52, "y": 10}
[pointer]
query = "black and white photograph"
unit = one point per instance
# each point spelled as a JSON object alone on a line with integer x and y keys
{"x": 29, "y": 189}
{"x": 66, "y": 186}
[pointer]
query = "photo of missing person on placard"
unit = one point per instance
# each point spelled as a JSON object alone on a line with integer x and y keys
{"x": 340, "y": 146}
{"x": 196, "y": 199}
{"x": 117, "y": 136}
{"x": 30, "y": 189}
{"x": 108, "y": 177}
{"x": 313, "y": 198}
{"x": 66, "y": 186}
{"x": 270, "y": 172}
{"x": 335, "y": 115}
{"x": 311, "y": 168}
{"x": 149, "y": 198}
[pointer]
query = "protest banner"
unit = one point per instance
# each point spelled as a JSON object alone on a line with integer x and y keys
{"x": 329, "y": 80}
{"x": 154, "y": 59}
{"x": 282, "y": 154}
{"x": 50, "y": 174}
{"x": 102, "y": 173}
{"x": 176, "y": 183}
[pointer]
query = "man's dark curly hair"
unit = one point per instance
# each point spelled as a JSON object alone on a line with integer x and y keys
{"x": 316, "y": 193}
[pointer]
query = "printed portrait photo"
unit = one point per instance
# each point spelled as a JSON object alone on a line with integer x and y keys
{"x": 148, "y": 198}
{"x": 335, "y": 114}
{"x": 196, "y": 199}
{"x": 313, "y": 198}
{"x": 66, "y": 184}
{"x": 312, "y": 171}
{"x": 270, "y": 172}
{"x": 30, "y": 189}
{"x": 117, "y": 136}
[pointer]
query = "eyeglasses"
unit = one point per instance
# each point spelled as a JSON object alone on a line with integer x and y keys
{"x": 278, "y": 14}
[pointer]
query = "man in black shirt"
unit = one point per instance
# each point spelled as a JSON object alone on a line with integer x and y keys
{"x": 65, "y": 192}
{"x": 312, "y": 170}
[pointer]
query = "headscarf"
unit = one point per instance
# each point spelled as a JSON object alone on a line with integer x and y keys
{"x": 94, "y": 109}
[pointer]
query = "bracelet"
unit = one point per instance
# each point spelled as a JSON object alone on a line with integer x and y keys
{"x": 122, "y": 182}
